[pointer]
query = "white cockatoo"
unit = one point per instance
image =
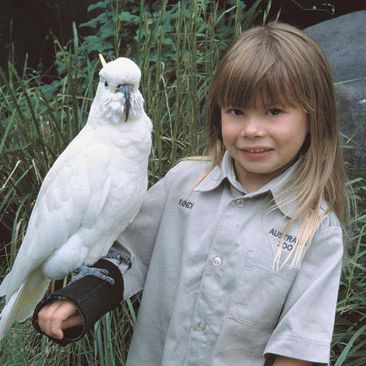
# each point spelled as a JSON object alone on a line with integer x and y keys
{"x": 92, "y": 192}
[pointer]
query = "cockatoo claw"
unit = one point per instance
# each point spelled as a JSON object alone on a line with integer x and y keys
{"x": 122, "y": 258}
{"x": 100, "y": 273}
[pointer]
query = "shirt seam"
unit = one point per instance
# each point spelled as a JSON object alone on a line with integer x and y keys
{"x": 307, "y": 340}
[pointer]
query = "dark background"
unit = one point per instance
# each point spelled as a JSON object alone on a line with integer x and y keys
{"x": 25, "y": 25}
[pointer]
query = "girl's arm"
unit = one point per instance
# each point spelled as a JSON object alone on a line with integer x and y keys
{"x": 285, "y": 361}
{"x": 65, "y": 315}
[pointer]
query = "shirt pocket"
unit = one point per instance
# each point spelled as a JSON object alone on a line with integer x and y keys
{"x": 261, "y": 292}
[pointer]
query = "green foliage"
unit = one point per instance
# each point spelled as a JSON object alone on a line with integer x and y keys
{"x": 177, "y": 45}
{"x": 349, "y": 341}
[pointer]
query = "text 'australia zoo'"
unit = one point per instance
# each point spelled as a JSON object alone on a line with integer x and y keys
{"x": 288, "y": 242}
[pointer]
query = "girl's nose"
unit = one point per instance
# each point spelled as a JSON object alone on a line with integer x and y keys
{"x": 252, "y": 127}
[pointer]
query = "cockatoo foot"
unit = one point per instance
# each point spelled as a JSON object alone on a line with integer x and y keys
{"x": 101, "y": 273}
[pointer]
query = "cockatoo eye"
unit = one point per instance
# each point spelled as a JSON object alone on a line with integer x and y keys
{"x": 105, "y": 84}
{"x": 119, "y": 86}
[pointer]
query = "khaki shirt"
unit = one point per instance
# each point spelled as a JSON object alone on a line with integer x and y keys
{"x": 202, "y": 250}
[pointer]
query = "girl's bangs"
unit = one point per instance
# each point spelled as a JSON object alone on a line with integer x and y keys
{"x": 247, "y": 82}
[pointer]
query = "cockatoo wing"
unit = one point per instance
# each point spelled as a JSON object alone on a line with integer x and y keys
{"x": 72, "y": 195}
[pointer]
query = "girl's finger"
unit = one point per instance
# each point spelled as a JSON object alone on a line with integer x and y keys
{"x": 73, "y": 321}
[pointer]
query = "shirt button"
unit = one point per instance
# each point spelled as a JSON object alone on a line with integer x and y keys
{"x": 202, "y": 326}
{"x": 239, "y": 202}
{"x": 217, "y": 261}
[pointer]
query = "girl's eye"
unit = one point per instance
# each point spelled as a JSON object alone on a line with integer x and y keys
{"x": 236, "y": 112}
{"x": 274, "y": 112}
{"x": 105, "y": 84}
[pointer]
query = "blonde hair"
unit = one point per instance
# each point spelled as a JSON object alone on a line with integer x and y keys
{"x": 280, "y": 64}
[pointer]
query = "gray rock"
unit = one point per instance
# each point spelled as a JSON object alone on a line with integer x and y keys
{"x": 343, "y": 40}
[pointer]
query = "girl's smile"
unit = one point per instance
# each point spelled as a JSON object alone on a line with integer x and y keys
{"x": 263, "y": 141}
{"x": 256, "y": 153}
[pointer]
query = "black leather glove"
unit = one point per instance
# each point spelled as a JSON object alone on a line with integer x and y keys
{"x": 92, "y": 296}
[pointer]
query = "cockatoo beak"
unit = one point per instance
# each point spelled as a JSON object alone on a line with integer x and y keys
{"x": 127, "y": 95}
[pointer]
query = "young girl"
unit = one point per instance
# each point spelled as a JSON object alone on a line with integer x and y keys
{"x": 239, "y": 255}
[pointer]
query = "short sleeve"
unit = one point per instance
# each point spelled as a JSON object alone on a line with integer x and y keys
{"x": 305, "y": 327}
{"x": 137, "y": 241}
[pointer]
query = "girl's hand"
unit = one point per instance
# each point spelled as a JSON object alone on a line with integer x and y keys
{"x": 285, "y": 361}
{"x": 57, "y": 316}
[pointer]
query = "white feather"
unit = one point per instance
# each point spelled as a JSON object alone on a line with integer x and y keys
{"x": 92, "y": 192}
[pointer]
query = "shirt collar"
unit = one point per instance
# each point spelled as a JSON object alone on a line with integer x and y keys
{"x": 277, "y": 186}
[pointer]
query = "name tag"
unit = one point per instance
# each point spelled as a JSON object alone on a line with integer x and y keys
{"x": 185, "y": 204}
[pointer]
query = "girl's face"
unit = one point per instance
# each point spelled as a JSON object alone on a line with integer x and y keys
{"x": 263, "y": 141}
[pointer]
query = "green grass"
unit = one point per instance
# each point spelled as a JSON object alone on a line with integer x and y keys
{"x": 177, "y": 48}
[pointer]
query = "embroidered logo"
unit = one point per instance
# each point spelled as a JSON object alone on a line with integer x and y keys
{"x": 185, "y": 204}
{"x": 289, "y": 241}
